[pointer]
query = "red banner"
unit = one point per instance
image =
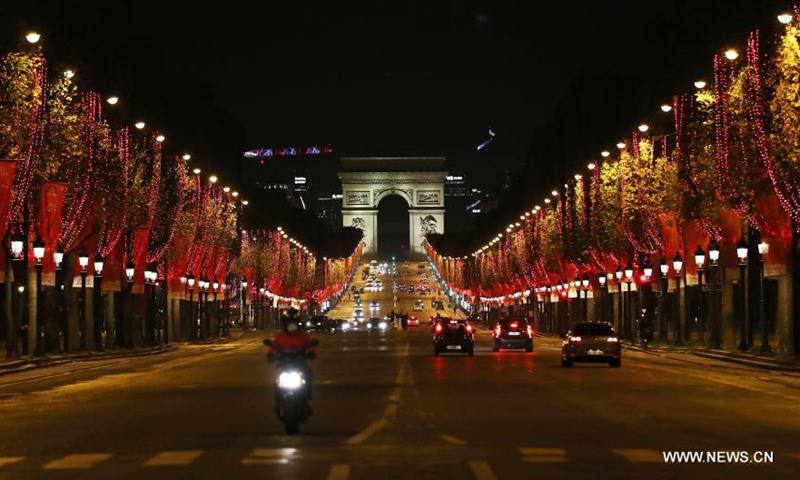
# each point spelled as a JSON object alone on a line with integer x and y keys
{"x": 776, "y": 230}
{"x": 693, "y": 236}
{"x": 177, "y": 269}
{"x": 140, "y": 239}
{"x": 51, "y": 205}
{"x": 112, "y": 269}
{"x": 7, "y": 170}
{"x": 669, "y": 233}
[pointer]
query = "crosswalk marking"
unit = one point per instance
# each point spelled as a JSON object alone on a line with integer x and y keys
{"x": 639, "y": 455}
{"x": 269, "y": 456}
{"x": 543, "y": 455}
{"x": 339, "y": 472}
{"x": 177, "y": 458}
{"x": 9, "y": 460}
{"x": 482, "y": 471}
{"x": 78, "y": 461}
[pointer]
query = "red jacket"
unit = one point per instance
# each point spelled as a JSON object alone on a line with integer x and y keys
{"x": 292, "y": 342}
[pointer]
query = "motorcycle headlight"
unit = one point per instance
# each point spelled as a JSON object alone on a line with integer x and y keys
{"x": 290, "y": 380}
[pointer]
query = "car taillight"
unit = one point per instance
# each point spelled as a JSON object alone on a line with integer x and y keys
{"x": 514, "y": 325}
{"x": 612, "y": 339}
{"x": 530, "y": 331}
{"x": 438, "y": 328}
{"x": 469, "y": 328}
{"x": 575, "y": 339}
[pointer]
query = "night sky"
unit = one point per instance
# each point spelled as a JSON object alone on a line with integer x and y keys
{"x": 393, "y": 78}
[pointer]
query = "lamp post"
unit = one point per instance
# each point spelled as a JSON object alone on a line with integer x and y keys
{"x": 38, "y": 254}
{"x": 215, "y": 287}
{"x": 628, "y": 322}
{"x": 192, "y": 316}
{"x": 83, "y": 261}
{"x": 58, "y": 259}
{"x": 677, "y": 264}
{"x": 700, "y": 260}
{"x": 130, "y": 269}
{"x": 99, "y": 309}
{"x": 602, "y": 279}
{"x": 242, "y": 301}
{"x": 201, "y": 306}
{"x": 662, "y": 313}
{"x": 618, "y": 275}
{"x": 741, "y": 252}
{"x": 585, "y": 283}
{"x": 713, "y": 261}
{"x": 763, "y": 249}
{"x": 150, "y": 276}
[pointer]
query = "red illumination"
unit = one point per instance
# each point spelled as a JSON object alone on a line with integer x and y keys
{"x": 514, "y": 325}
{"x": 643, "y": 278}
{"x": 469, "y": 328}
{"x": 530, "y": 331}
{"x": 438, "y": 328}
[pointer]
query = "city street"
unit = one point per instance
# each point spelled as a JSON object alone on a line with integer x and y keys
{"x": 385, "y": 407}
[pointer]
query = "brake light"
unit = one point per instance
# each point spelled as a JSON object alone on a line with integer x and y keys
{"x": 530, "y": 331}
{"x": 575, "y": 339}
{"x": 469, "y": 328}
{"x": 438, "y": 328}
{"x": 612, "y": 339}
{"x": 514, "y": 325}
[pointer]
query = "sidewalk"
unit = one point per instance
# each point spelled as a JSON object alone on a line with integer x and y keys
{"x": 747, "y": 359}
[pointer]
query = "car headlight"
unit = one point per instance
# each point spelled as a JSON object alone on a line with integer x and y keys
{"x": 345, "y": 326}
{"x": 382, "y": 325}
{"x": 290, "y": 380}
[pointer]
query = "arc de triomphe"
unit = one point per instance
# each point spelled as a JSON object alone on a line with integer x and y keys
{"x": 418, "y": 180}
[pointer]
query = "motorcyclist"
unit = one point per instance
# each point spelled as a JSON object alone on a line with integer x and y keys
{"x": 293, "y": 339}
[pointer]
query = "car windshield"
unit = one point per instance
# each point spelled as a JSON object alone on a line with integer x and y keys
{"x": 592, "y": 329}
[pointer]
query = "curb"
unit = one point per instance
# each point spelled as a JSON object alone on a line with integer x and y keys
{"x": 18, "y": 366}
{"x": 764, "y": 365}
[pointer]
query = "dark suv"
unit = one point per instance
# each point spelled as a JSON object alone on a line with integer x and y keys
{"x": 512, "y": 333}
{"x": 591, "y": 342}
{"x": 454, "y": 335}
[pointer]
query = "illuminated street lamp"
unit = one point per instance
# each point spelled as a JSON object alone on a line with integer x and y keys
{"x": 666, "y": 108}
{"x": 112, "y": 100}
{"x": 763, "y": 249}
{"x": 38, "y": 253}
{"x": 700, "y": 261}
{"x": 99, "y": 311}
{"x": 700, "y": 84}
{"x": 160, "y": 138}
{"x": 677, "y": 265}
{"x": 621, "y": 145}
{"x": 17, "y": 244}
{"x": 33, "y": 37}
{"x": 731, "y": 54}
{"x": 605, "y": 153}
{"x": 83, "y": 261}
{"x": 644, "y": 127}
{"x": 139, "y": 125}
{"x": 741, "y": 252}
{"x": 785, "y": 18}
{"x": 129, "y": 271}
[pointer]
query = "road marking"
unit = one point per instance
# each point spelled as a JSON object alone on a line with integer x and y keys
{"x": 395, "y": 396}
{"x": 543, "y": 455}
{"x": 77, "y": 461}
{"x": 639, "y": 455}
{"x": 400, "y": 375}
{"x": 482, "y": 471}
{"x": 9, "y": 460}
{"x": 391, "y": 410}
{"x": 339, "y": 472}
{"x": 451, "y": 439}
{"x": 176, "y": 458}
{"x": 269, "y": 456}
{"x": 371, "y": 430}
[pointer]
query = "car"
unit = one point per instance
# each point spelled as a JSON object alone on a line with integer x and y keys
{"x": 453, "y": 335}
{"x": 412, "y": 321}
{"x": 438, "y": 305}
{"x": 318, "y": 323}
{"x": 376, "y": 323}
{"x": 591, "y": 342}
{"x": 418, "y": 306}
{"x": 512, "y": 333}
{"x": 340, "y": 325}
{"x": 358, "y": 314}
{"x": 374, "y": 304}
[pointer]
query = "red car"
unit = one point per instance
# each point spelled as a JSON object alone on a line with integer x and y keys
{"x": 412, "y": 322}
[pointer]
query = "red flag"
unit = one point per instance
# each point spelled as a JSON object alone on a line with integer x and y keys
{"x": 180, "y": 251}
{"x": 50, "y": 210}
{"x": 112, "y": 269}
{"x": 693, "y": 236}
{"x": 140, "y": 239}
{"x": 7, "y": 170}
{"x": 669, "y": 233}
{"x": 776, "y": 230}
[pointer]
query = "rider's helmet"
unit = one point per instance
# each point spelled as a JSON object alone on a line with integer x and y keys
{"x": 291, "y": 321}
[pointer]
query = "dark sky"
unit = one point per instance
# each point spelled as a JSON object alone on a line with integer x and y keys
{"x": 410, "y": 77}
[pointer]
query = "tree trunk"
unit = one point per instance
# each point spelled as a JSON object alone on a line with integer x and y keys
{"x": 12, "y": 327}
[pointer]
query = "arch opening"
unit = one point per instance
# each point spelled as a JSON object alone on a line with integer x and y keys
{"x": 393, "y": 227}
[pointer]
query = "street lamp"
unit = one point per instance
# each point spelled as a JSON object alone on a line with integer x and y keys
{"x": 17, "y": 244}
{"x": 58, "y": 257}
{"x": 700, "y": 260}
{"x": 129, "y": 271}
{"x": 664, "y": 269}
{"x": 83, "y": 261}
{"x": 98, "y": 303}
{"x": 741, "y": 252}
{"x": 677, "y": 264}
{"x": 38, "y": 253}
{"x": 628, "y": 319}
{"x": 763, "y": 249}
{"x": 620, "y": 320}
{"x": 33, "y": 37}
{"x": 242, "y": 300}
{"x": 193, "y": 318}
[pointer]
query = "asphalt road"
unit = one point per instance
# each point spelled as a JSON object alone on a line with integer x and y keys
{"x": 386, "y": 408}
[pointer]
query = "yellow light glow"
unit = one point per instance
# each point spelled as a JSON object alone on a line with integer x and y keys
{"x": 226, "y": 189}
{"x": 139, "y": 125}
{"x": 605, "y": 153}
{"x": 554, "y": 193}
{"x": 213, "y": 179}
{"x": 547, "y": 201}
{"x": 785, "y": 18}
{"x": 538, "y": 208}
{"x": 643, "y": 128}
{"x": 69, "y": 73}
{"x": 196, "y": 171}
{"x": 578, "y": 176}
{"x": 112, "y": 100}
{"x": 666, "y": 108}
{"x": 700, "y": 84}
{"x": 591, "y": 166}
{"x": 160, "y": 138}
{"x": 186, "y": 156}
{"x": 234, "y": 194}
{"x": 32, "y": 37}
{"x": 731, "y": 54}
{"x": 245, "y": 202}
{"x": 621, "y": 145}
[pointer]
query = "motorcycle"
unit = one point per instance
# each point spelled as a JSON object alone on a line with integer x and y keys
{"x": 292, "y": 386}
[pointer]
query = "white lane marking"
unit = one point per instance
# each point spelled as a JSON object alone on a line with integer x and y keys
{"x": 371, "y": 430}
{"x": 339, "y": 472}
{"x": 451, "y": 439}
{"x": 482, "y": 471}
{"x": 543, "y": 455}
{"x": 9, "y": 460}
{"x": 639, "y": 455}
{"x": 269, "y": 456}
{"x": 391, "y": 410}
{"x": 177, "y": 458}
{"x": 78, "y": 461}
